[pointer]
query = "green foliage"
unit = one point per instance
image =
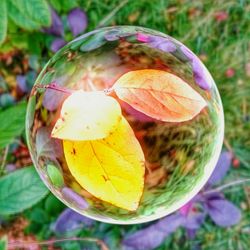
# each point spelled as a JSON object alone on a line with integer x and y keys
{"x": 42, "y": 215}
{"x": 20, "y": 190}
{"x": 12, "y": 123}
{"x": 63, "y": 5}
{"x": 3, "y": 20}
{"x": 30, "y": 15}
{"x": 55, "y": 175}
{"x": 3, "y": 243}
{"x": 53, "y": 206}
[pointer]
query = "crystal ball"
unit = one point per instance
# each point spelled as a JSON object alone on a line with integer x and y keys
{"x": 179, "y": 154}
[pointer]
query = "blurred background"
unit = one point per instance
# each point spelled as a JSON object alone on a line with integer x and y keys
{"x": 31, "y": 31}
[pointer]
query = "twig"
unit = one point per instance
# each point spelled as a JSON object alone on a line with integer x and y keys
{"x": 106, "y": 19}
{"x": 25, "y": 244}
{"x": 4, "y": 159}
{"x": 54, "y": 86}
{"x": 91, "y": 85}
{"x": 230, "y": 184}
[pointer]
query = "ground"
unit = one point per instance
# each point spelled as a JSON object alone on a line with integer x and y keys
{"x": 217, "y": 31}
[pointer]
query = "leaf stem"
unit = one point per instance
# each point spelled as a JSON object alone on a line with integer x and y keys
{"x": 230, "y": 184}
{"x": 54, "y": 86}
{"x": 25, "y": 244}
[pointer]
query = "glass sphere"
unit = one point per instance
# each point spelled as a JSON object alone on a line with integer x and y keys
{"x": 179, "y": 156}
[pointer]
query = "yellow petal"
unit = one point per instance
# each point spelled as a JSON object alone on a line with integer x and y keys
{"x": 87, "y": 116}
{"x": 111, "y": 169}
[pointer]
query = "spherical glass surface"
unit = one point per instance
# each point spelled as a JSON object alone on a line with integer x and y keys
{"x": 179, "y": 156}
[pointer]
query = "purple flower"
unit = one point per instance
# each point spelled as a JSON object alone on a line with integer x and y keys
{"x": 188, "y": 53}
{"x": 184, "y": 210}
{"x": 22, "y": 83}
{"x": 214, "y": 204}
{"x": 161, "y": 43}
{"x": 167, "y": 46}
{"x": 212, "y": 196}
{"x": 69, "y": 220}
{"x": 143, "y": 37}
{"x": 223, "y": 213}
{"x": 57, "y": 44}
{"x": 221, "y": 168}
{"x": 191, "y": 216}
{"x": 77, "y": 21}
{"x": 194, "y": 220}
{"x": 75, "y": 198}
{"x": 200, "y": 73}
{"x": 152, "y": 236}
{"x": 56, "y": 27}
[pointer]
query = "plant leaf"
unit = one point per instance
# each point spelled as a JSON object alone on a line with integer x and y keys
{"x": 68, "y": 5}
{"x": 20, "y": 190}
{"x": 159, "y": 94}
{"x": 94, "y": 42}
{"x": 53, "y": 99}
{"x": 12, "y": 123}
{"x": 30, "y": 113}
{"x": 56, "y": 4}
{"x": 47, "y": 146}
{"x": 3, "y": 20}
{"x": 87, "y": 116}
{"x": 112, "y": 169}
{"x": 36, "y": 12}
{"x": 223, "y": 212}
{"x": 152, "y": 236}
{"x": 55, "y": 175}
{"x": 3, "y": 242}
{"x": 19, "y": 18}
{"x": 69, "y": 220}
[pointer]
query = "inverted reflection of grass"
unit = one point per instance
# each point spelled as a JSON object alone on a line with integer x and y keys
{"x": 199, "y": 147}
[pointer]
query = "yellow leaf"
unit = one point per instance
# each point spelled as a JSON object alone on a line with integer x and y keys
{"x": 112, "y": 169}
{"x": 87, "y": 116}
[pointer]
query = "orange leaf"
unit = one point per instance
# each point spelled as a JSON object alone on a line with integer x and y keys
{"x": 159, "y": 94}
